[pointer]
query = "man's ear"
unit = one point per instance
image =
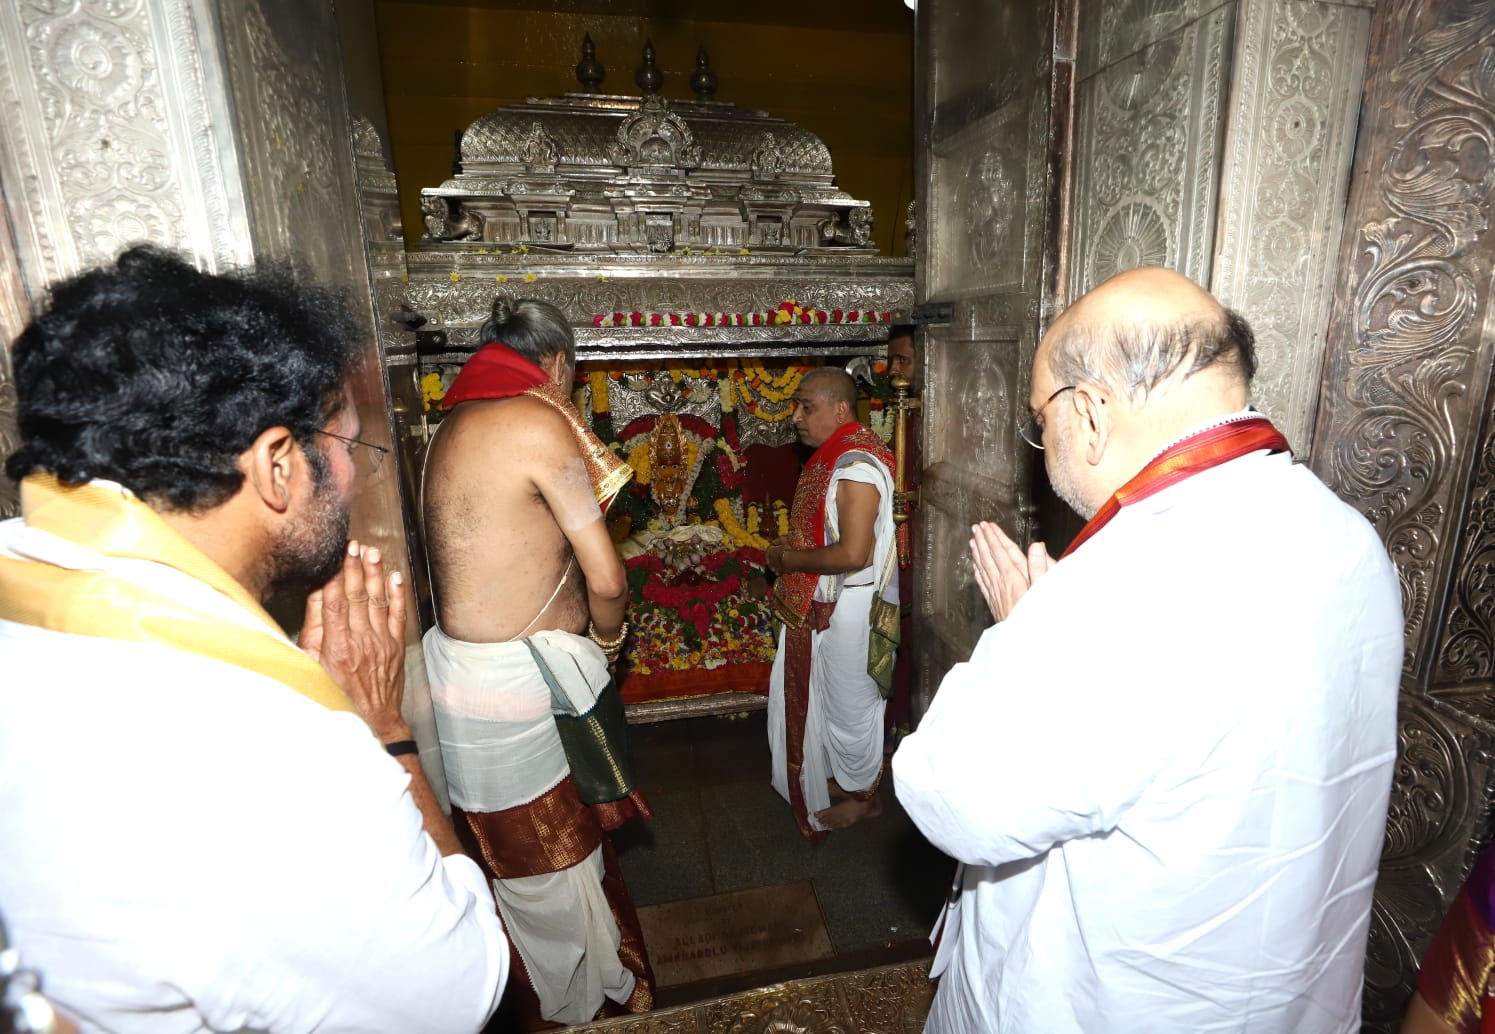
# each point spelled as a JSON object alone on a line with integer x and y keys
{"x": 271, "y": 465}
{"x": 1095, "y": 422}
{"x": 554, "y": 366}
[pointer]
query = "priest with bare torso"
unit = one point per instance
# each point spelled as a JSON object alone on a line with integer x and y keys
{"x": 530, "y": 602}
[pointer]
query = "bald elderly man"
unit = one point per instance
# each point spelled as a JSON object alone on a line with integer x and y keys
{"x": 1165, "y": 768}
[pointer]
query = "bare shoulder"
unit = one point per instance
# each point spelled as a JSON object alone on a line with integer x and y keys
{"x": 520, "y": 431}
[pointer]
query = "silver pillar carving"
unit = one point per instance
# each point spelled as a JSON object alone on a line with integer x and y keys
{"x": 115, "y": 131}
{"x": 1405, "y": 436}
{"x": 216, "y": 129}
{"x": 1292, "y": 114}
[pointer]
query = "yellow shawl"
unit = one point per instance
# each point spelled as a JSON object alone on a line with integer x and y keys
{"x": 97, "y": 603}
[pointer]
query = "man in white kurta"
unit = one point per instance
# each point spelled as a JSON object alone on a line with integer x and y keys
{"x": 1166, "y": 769}
{"x": 199, "y": 827}
{"x": 840, "y": 557}
{"x": 190, "y": 845}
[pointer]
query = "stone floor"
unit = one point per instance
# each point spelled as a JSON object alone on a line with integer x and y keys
{"x": 887, "y": 999}
{"x": 720, "y": 827}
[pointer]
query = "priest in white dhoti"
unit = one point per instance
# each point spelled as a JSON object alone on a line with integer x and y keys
{"x": 1165, "y": 770}
{"x": 837, "y": 596}
{"x": 530, "y": 721}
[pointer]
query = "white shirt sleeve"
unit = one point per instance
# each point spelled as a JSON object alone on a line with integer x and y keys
{"x": 242, "y": 859}
{"x": 358, "y": 922}
{"x": 998, "y": 769}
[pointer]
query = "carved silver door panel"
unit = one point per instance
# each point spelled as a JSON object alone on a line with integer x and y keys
{"x": 1440, "y": 814}
{"x": 1148, "y": 104}
{"x": 971, "y": 474}
{"x": 1404, "y": 434}
{"x": 980, "y": 219}
{"x": 1290, "y": 134}
{"x": 992, "y": 168}
{"x": 298, "y": 142}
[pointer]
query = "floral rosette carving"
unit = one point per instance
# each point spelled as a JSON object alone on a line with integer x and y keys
{"x": 787, "y": 1016}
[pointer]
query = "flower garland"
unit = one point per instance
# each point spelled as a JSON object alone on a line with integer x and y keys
{"x": 766, "y": 395}
{"x": 695, "y": 608}
{"x": 786, "y": 312}
{"x": 743, "y": 536}
{"x": 773, "y": 388}
{"x": 432, "y": 389}
{"x": 745, "y": 531}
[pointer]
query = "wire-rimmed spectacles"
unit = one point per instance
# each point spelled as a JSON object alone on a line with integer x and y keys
{"x": 1029, "y": 429}
{"x": 373, "y": 454}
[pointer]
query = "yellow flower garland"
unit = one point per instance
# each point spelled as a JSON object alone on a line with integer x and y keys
{"x": 638, "y": 459}
{"x": 600, "y": 401}
{"x": 771, "y": 388}
{"x": 734, "y": 529}
{"x": 758, "y": 409}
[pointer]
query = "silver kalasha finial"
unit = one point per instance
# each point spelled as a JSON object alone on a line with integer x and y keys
{"x": 648, "y": 76}
{"x": 589, "y": 72}
{"x": 703, "y": 82}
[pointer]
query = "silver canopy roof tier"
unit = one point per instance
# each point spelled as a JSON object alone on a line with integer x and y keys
{"x": 454, "y": 290}
{"x": 621, "y": 174}
{"x": 605, "y": 204}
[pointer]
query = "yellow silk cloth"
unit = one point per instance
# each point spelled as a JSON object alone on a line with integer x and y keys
{"x": 97, "y": 603}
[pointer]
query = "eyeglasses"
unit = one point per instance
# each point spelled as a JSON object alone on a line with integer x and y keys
{"x": 373, "y": 454}
{"x": 1029, "y": 429}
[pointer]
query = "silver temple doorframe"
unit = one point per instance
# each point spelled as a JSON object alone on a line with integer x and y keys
{"x": 216, "y": 128}
{"x": 1064, "y": 141}
{"x": 1057, "y": 142}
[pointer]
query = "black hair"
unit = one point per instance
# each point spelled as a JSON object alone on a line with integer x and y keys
{"x": 158, "y": 375}
{"x": 536, "y": 330}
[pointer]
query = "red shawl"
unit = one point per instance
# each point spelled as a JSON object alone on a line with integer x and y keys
{"x": 795, "y": 590}
{"x": 1195, "y": 454}
{"x": 499, "y": 372}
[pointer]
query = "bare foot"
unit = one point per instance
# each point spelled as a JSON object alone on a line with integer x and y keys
{"x": 834, "y": 789}
{"x": 849, "y": 812}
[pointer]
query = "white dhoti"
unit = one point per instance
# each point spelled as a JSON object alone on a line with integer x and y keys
{"x": 844, "y": 723}
{"x": 502, "y": 750}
